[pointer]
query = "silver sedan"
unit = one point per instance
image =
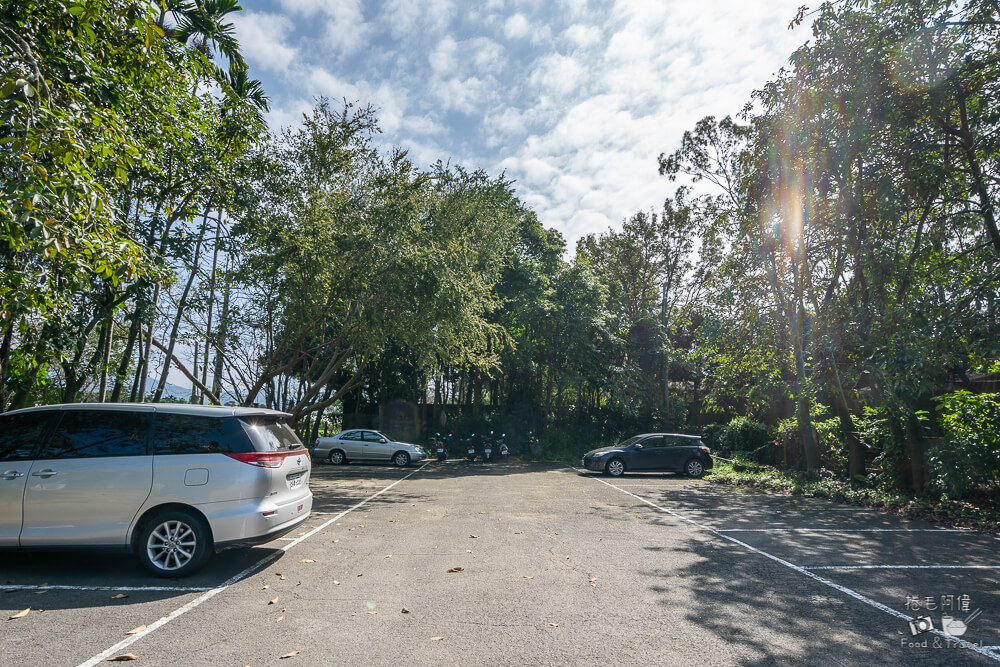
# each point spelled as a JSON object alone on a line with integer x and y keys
{"x": 366, "y": 445}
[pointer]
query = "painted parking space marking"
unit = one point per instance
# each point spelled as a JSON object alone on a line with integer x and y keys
{"x": 844, "y": 530}
{"x": 744, "y": 508}
{"x": 211, "y": 593}
{"x": 131, "y": 589}
{"x": 901, "y": 567}
{"x": 987, "y": 652}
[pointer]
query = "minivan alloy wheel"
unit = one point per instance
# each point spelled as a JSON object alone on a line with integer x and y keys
{"x": 174, "y": 544}
{"x": 171, "y": 545}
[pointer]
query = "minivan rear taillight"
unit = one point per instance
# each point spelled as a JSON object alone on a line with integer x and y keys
{"x": 265, "y": 459}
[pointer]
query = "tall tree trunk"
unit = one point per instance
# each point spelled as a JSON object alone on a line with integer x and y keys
{"x": 855, "y": 452}
{"x": 211, "y": 295}
{"x": 221, "y": 347}
{"x": 149, "y": 345}
{"x": 915, "y": 452}
{"x": 194, "y": 372}
{"x": 477, "y": 391}
{"x": 106, "y": 361}
{"x": 801, "y": 396}
{"x": 5, "y": 346}
{"x": 181, "y": 305}
{"x": 133, "y": 334}
{"x": 133, "y": 395}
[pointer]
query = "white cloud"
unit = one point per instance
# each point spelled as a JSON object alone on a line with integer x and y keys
{"x": 516, "y": 27}
{"x": 346, "y": 31}
{"x": 442, "y": 58}
{"x": 406, "y": 18}
{"x": 557, "y": 74}
{"x": 583, "y": 36}
{"x": 577, "y": 120}
{"x": 263, "y": 38}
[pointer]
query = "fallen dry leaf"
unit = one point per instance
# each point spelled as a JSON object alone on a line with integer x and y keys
{"x": 404, "y": 610}
{"x": 135, "y": 631}
{"x": 274, "y": 601}
{"x": 475, "y": 537}
{"x": 307, "y": 560}
{"x": 120, "y": 596}
{"x": 124, "y": 657}
{"x": 527, "y": 576}
{"x": 373, "y": 612}
{"x": 280, "y": 576}
{"x": 468, "y": 551}
{"x": 335, "y": 541}
{"x": 436, "y": 639}
{"x": 44, "y": 592}
{"x": 554, "y": 625}
{"x": 20, "y": 614}
{"x": 336, "y": 583}
{"x": 389, "y": 556}
{"x": 456, "y": 569}
{"x": 289, "y": 655}
{"x": 280, "y": 619}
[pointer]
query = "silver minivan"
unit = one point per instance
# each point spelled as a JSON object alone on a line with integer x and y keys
{"x": 171, "y": 483}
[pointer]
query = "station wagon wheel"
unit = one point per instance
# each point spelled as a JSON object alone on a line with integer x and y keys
{"x": 401, "y": 459}
{"x": 174, "y": 544}
{"x": 694, "y": 468}
{"x": 336, "y": 457}
{"x": 615, "y": 467}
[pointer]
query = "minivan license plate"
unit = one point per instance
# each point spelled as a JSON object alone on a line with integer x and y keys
{"x": 295, "y": 481}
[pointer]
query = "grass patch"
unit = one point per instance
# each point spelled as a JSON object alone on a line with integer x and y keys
{"x": 981, "y": 512}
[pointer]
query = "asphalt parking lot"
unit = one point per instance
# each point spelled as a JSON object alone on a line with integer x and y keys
{"x": 516, "y": 563}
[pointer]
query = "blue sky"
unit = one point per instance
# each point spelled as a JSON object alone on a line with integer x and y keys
{"x": 573, "y": 99}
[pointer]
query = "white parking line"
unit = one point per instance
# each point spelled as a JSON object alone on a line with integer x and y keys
{"x": 744, "y": 508}
{"x": 843, "y": 530}
{"x": 104, "y": 655}
{"x": 59, "y": 587}
{"x": 803, "y": 571}
{"x": 901, "y": 567}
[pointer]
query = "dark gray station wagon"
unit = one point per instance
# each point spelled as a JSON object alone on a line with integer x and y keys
{"x": 652, "y": 452}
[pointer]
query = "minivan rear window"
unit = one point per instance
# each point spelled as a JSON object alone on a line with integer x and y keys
{"x": 272, "y": 436}
{"x": 189, "y": 434}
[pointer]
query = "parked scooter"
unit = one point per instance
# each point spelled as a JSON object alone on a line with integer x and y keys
{"x": 488, "y": 448}
{"x": 470, "y": 447}
{"x": 504, "y": 452}
{"x": 442, "y": 451}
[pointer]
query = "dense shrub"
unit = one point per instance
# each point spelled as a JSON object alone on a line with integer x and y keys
{"x": 969, "y": 454}
{"x": 746, "y": 435}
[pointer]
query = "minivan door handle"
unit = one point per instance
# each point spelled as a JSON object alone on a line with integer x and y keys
{"x": 44, "y": 473}
{"x": 11, "y": 474}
